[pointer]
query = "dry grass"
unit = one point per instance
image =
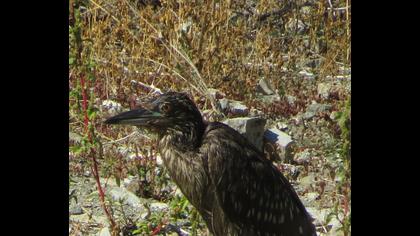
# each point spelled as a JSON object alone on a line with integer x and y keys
{"x": 125, "y": 49}
{"x": 194, "y": 45}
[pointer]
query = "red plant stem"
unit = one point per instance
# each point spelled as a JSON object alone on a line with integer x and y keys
{"x": 346, "y": 204}
{"x": 158, "y": 228}
{"x": 100, "y": 189}
{"x": 84, "y": 95}
{"x": 94, "y": 166}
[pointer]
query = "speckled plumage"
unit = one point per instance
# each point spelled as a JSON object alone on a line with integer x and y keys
{"x": 234, "y": 187}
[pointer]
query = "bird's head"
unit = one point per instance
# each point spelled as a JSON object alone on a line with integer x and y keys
{"x": 169, "y": 112}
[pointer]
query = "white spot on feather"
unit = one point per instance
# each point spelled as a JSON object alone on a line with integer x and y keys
{"x": 281, "y": 220}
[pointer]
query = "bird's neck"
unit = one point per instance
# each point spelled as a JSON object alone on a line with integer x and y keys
{"x": 185, "y": 137}
{"x": 179, "y": 152}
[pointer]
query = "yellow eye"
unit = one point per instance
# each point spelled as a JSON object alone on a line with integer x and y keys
{"x": 165, "y": 107}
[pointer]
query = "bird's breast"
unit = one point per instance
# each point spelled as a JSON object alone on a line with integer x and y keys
{"x": 186, "y": 169}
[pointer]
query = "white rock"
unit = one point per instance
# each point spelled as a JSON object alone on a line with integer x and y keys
{"x": 159, "y": 160}
{"x": 310, "y": 197}
{"x": 127, "y": 197}
{"x": 281, "y": 126}
{"x": 291, "y": 99}
{"x": 296, "y": 25}
{"x": 282, "y": 141}
{"x": 111, "y": 106}
{"x": 131, "y": 183}
{"x": 302, "y": 157}
{"x": 320, "y": 217}
{"x": 215, "y": 93}
{"x": 264, "y": 87}
{"x": 234, "y": 107}
{"x": 237, "y": 108}
{"x": 159, "y": 207}
{"x": 250, "y": 127}
{"x": 104, "y": 232}
{"x": 306, "y": 75}
{"x": 324, "y": 90}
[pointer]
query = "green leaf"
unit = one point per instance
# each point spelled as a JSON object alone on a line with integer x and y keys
{"x": 185, "y": 204}
{"x": 91, "y": 114}
{"x": 76, "y": 149}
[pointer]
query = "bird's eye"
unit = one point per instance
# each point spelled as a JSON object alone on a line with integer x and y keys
{"x": 165, "y": 107}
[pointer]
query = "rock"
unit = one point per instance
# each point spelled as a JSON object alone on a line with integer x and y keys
{"x": 131, "y": 183}
{"x": 334, "y": 115}
{"x": 186, "y": 26}
{"x": 101, "y": 219}
{"x": 212, "y": 115}
{"x": 178, "y": 193}
{"x": 76, "y": 210}
{"x": 320, "y": 217}
{"x": 269, "y": 99}
{"x": 127, "y": 197}
{"x": 159, "y": 207}
{"x": 302, "y": 157}
{"x": 317, "y": 107}
{"x": 83, "y": 218}
{"x": 339, "y": 179}
{"x": 207, "y": 114}
{"x": 159, "y": 161}
{"x": 339, "y": 77}
{"x": 344, "y": 70}
{"x": 111, "y": 107}
{"x": 224, "y": 104}
{"x": 310, "y": 198}
{"x": 175, "y": 230}
{"x": 215, "y": 94}
{"x": 308, "y": 115}
{"x": 77, "y": 138}
{"x": 294, "y": 172}
{"x": 333, "y": 89}
{"x": 324, "y": 90}
{"x": 282, "y": 141}
{"x": 251, "y": 127}
{"x": 296, "y": 25}
{"x": 105, "y": 232}
{"x": 124, "y": 150}
{"x": 291, "y": 171}
{"x": 291, "y": 99}
{"x": 306, "y": 75}
{"x": 255, "y": 113}
{"x": 307, "y": 181}
{"x": 237, "y": 108}
{"x": 281, "y": 126}
{"x": 306, "y": 10}
{"x": 128, "y": 152}
{"x": 314, "y": 109}
{"x": 233, "y": 107}
{"x": 264, "y": 87}
{"x": 312, "y": 63}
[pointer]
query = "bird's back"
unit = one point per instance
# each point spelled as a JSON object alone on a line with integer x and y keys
{"x": 248, "y": 196}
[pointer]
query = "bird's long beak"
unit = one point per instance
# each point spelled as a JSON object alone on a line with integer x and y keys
{"x": 138, "y": 117}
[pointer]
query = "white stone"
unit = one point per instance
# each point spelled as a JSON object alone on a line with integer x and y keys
{"x": 250, "y": 127}
{"x": 281, "y": 140}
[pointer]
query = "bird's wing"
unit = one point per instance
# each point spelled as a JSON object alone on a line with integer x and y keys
{"x": 249, "y": 189}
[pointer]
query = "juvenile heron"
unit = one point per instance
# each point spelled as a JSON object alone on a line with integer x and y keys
{"x": 233, "y": 186}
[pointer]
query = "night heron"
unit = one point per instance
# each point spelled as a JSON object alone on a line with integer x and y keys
{"x": 233, "y": 186}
